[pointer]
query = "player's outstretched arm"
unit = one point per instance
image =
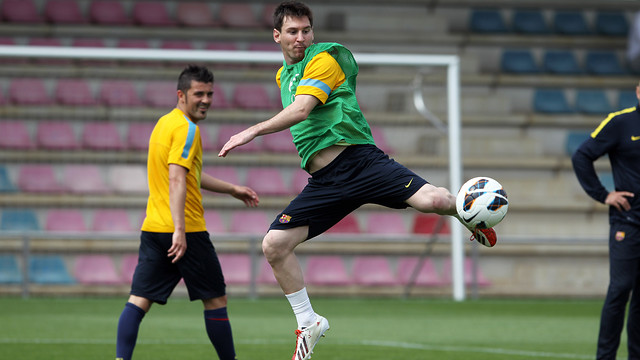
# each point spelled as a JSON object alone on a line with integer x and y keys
{"x": 243, "y": 193}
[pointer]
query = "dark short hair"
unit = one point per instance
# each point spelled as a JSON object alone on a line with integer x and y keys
{"x": 292, "y": 9}
{"x": 194, "y": 72}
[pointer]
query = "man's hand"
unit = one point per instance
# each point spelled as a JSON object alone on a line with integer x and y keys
{"x": 618, "y": 199}
{"x": 246, "y": 194}
{"x": 178, "y": 246}
{"x": 236, "y": 140}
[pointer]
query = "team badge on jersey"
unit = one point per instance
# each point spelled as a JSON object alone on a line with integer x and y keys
{"x": 620, "y": 235}
{"x": 284, "y": 219}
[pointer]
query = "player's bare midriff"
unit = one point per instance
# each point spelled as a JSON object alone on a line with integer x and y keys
{"x": 324, "y": 157}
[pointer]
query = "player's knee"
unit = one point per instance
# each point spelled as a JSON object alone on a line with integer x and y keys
{"x": 439, "y": 201}
{"x": 272, "y": 247}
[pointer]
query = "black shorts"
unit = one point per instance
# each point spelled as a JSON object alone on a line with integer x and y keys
{"x": 155, "y": 276}
{"x": 361, "y": 174}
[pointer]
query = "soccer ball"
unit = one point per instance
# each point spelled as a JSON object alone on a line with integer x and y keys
{"x": 482, "y": 202}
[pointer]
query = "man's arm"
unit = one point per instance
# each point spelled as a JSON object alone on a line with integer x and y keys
{"x": 296, "y": 112}
{"x": 246, "y": 194}
{"x": 177, "y": 200}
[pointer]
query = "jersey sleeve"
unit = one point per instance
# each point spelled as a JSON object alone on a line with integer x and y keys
{"x": 183, "y": 145}
{"x": 321, "y": 76}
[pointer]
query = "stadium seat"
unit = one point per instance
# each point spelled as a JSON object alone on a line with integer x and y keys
{"x": 253, "y": 222}
{"x": 627, "y": 99}
{"x": 236, "y": 268}
{"x": 96, "y": 269}
{"x": 152, "y": 13}
{"x": 28, "y": 91}
{"x": 128, "y": 265}
{"x": 205, "y": 137}
{"x": 265, "y": 276}
{"x": 138, "y": 135}
{"x": 20, "y": 11}
{"x": 267, "y": 181}
{"x": 38, "y": 178}
{"x": 372, "y": 271}
{"x": 111, "y": 220}
{"x": 15, "y": 135}
{"x": 487, "y": 21}
{"x": 225, "y": 132}
{"x": 426, "y": 276}
{"x": 160, "y": 94}
{"x": 56, "y": 135}
{"x": 251, "y": 97}
{"x": 574, "y": 140}
{"x": 34, "y": 41}
{"x": 561, "y": 62}
{"x": 603, "y": 63}
{"x": 468, "y": 273}
{"x": 381, "y": 140}
{"x": 108, "y": 12}
{"x": 128, "y": 179}
{"x": 529, "y": 22}
{"x": 430, "y": 224}
{"x": 348, "y": 225}
{"x": 218, "y": 45}
{"x": 215, "y": 224}
{"x": 6, "y": 185}
{"x": 570, "y": 23}
{"x": 279, "y": 142}
{"x": 611, "y": 23}
{"x": 91, "y": 43}
{"x": 385, "y": 222}
{"x": 119, "y": 93}
{"x": 592, "y": 101}
{"x": 300, "y": 179}
{"x": 63, "y": 12}
{"x": 101, "y": 135}
{"x": 176, "y": 45}
{"x": 225, "y": 173}
{"x": 518, "y": 62}
{"x": 326, "y": 270}
{"x": 195, "y": 14}
{"x": 49, "y": 270}
{"x": 84, "y": 179}
{"x": 19, "y": 220}
{"x": 10, "y": 272}
{"x": 551, "y": 101}
{"x": 234, "y": 15}
{"x": 133, "y": 44}
{"x": 74, "y": 92}
{"x": 219, "y": 100}
{"x": 65, "y": 220}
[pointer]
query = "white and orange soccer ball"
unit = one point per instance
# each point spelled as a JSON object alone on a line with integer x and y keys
{"x": 482, "y": 202}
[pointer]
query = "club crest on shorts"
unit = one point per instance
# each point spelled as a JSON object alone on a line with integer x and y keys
{"x": 620, "y": 235}
{"x": 284, "y": 219}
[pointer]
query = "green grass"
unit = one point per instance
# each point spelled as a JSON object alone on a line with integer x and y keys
{"x": 371, "y": 329}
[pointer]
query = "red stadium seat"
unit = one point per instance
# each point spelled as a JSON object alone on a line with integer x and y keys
{"x": 161, "y": 94}
{"x": 39, "y": 178}
{"x": 84, "y": 179}
{"x": 217, "y": 45}
{"x": 254, "y": 222}
{"x": 56, "y": 135}
{"x": 215, "y": 224}
{"x": 386, "y": 223}
{"x": 299, "y": 181}
{"x": 426, "y": 276}
{"x": 128, "y": 179}
{"x": 23, "y": 91}
{"x": 226, "y": 131}
{"x": 266, "y": 15}
{"x": 20, "y": 11}
{"x": 195, "y": 14}
{"x": 151, "y": 13}
{"x": 15, "y": 135}
{"x": 63, "y": 12}
{"x": 236, "y": 268}
{"x": 279, "y": 142}
{"x": 74, "y": 92}
{"x": 468, "y": 273}
{"x": 119, "y": 93}
{"x": 65, "y": 220}
{"x": 251, "y": 97}
{"x": 107, "y": 12}
{"x": 111, "y": 220}
{"x": 235, "y": 15}
{"x": 177, "y": 45}
{"x": 373, "y": 271}
{"x": 430, "y": 223}
{"x": 266, "y": 276}
{"x": 88, "y": 42}
{"x": 380, "y": 139}
{"x": 325, "y": 270}
{"x": 267, "y": 181}
{"x": 348, "y": 225}
{"x": 101, "y": 135}
{"x": 219, "y": 100}
{"x": 96, "y": 270}
{"x": 127, "y": 267}
{"x": 138, "y": 135}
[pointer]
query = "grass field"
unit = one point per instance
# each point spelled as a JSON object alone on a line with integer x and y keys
{"x": 372, "y": 329}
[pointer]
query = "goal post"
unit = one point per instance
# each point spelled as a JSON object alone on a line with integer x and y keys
{"x": 451, "y": 62}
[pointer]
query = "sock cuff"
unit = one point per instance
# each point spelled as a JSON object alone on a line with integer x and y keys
{"x": 217, "y": 314}
{"x": 135, "y": 308}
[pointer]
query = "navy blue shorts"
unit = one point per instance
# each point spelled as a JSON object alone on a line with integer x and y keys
{"x": 155, "y": 276}
{"x": 361, "y": 174}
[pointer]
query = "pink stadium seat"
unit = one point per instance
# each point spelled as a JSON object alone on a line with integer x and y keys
{"x": 266, "y": 15}
{"x": 65, "y": 220}
{"x": 430, "y": 223}
{"x": 215, "y": 224}
{"x": 195, "y": 14}
{"x": 177, "y": 44}
{"x": 225, "y": 173}
{"x": 14, "y": 134}
{"x": 217, "y": 45}
{"x": 133, "y": 43}
{"x": 236, "y": 268}
{"x": 253, "y": 222}
{"x": 63, "y": 12}
{"x": 373, "y": 271}
{"x": 468, "y": 273}
{"x": 28, "y": 92}
{"x": 138, "y": 135}
{"x": 266, "y": 276}
{"x": 427, "y": 275}
{"x": 326, "y": 270}
{"x": 88, "y": 42}
{"x": 107, "y": 12}
{"x": 56, "y": 135}
{"x": 20, "y": 11}
{"x": 235, "y": 15}
{"x": 219, "y": 100}
{"x": 96, "y": 270}
{"x": 152, "y": 13}
{"x": 380, "y": 139}
{"x": 226, "y": 131}
{"x": 128, "y": 179}
{"x": 101, "y": 135}
{"x": 74, "y": 92}
{"x": 348, "y": 225}
{"x": 37, "y": 41}
{"x": 39, "y": 178}
{"x": 161, "y": 94}
{"x": 267, "y": 181}
{"x": 386, "y": 223}
{"x": 299, "y": 181}
{"x": 111, "y": 220}
{"x": 251, "y": 97}
{"x": 127, "y": 267}
{"x": 119, "y": 93}
{"x": 84, "y": 179}
{"x": 279, "y": 142}
{"x": 207, "y": 144}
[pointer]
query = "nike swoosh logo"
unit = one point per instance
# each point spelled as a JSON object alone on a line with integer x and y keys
{"x": 471, "y": 218}
{"x": 635, "y": 138}
{"x": 409, "y": 184}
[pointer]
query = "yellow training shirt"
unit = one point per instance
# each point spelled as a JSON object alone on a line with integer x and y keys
{"x": 174, "y": 140}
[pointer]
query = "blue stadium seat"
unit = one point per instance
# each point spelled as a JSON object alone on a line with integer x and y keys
{"x": 518, "y": 62}
{"x": 592, "y": 101}
{"x": 570, "y": 23}
{"x": 19, "y": 220}
{"x": 574, "y": 140}
{"x": 9, "y": 270}
{"x": 487, "y": 21}
{"x": 49, "y": 269}
{"x": 551, "y": 101}
{"x": 562, "y": 62}
{"x": 529, "y": 22}
{"x": 6, "y": 185}
{"x": 611, "y": 23}
{"x": 599, "y": 62}
{"x": 627, "y": 99}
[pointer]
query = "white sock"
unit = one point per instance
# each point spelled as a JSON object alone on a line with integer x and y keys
{"x": 301, "y": 306}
